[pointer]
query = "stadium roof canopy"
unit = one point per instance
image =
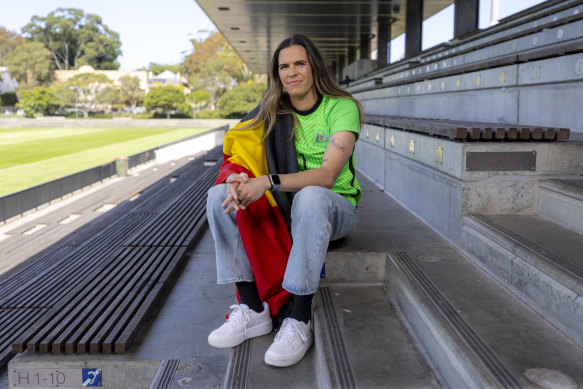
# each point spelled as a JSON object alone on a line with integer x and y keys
{"x": 254, "y": 28}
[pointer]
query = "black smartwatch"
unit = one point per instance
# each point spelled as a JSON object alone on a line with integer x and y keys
{"x": 275, "y": 182}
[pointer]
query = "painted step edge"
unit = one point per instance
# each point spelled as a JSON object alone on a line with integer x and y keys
{"x": 551, "y": 290}
{"x": 455, "y": 352}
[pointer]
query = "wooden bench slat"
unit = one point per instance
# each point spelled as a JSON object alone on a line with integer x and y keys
{"x": 106, "y": 341}
{"x": 91, "y": 317}
{"x": 463, "y": 130}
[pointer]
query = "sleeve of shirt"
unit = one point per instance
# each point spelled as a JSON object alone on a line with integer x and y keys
{"x": 344, "y": 117}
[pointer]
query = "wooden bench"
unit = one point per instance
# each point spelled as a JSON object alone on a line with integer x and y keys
{"x": 90, "y": 292}
{"x": 464, "y": 130}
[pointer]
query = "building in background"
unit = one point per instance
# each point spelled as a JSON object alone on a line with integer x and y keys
{"x": 7, "y": 83}
{"x": 113, "y": 75}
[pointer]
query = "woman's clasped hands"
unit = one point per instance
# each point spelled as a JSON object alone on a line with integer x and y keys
{"x": 242, "y": 191}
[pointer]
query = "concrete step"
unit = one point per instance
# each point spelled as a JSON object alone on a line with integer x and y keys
{"x": 106, "y": 371}
{"x": 537, "y": 259}
{"x": 562, "y": 202}
{"x": 361, "y": 256}
{"x": 247, "y": 368}
{"x": 476, "y": 333}
{"x": 361, "y": 342}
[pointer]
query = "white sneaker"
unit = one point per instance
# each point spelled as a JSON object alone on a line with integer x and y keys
{"x": 290, "y": 344}
{"x": 243, "y": 323}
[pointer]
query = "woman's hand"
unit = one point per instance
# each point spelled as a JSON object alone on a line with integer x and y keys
{"x": 252, "y": 190}
{"x": 232, "y": 201}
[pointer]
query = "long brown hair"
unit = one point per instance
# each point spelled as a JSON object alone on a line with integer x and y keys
{"x": 275, "y": 102}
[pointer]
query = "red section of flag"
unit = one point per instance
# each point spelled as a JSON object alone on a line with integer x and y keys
{"x": 267, "y": 242}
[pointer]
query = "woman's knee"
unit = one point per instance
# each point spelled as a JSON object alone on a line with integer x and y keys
{"x": 311, "y": 199}
{"x": 215, "y": 196}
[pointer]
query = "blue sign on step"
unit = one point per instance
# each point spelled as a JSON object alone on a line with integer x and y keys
{"x": 91, "y": 377}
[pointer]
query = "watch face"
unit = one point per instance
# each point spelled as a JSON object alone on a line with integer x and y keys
{"x": 276, "y": 180}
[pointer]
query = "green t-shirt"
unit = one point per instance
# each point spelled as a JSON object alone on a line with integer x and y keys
{"x": 314, "y": 129}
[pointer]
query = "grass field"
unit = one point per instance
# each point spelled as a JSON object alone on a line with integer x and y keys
{"x": 31, "y": 156}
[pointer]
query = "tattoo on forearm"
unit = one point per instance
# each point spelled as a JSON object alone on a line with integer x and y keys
{"x": 338, "y": 144}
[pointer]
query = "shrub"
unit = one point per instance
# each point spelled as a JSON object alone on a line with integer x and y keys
{"x": 209, "y": 114}
{"x": 36, "y": 101}
{"x": 241, "y": 100}
{"x": 8, "y": 99}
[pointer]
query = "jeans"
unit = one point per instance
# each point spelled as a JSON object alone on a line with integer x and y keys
{"x": 318, "y": 216}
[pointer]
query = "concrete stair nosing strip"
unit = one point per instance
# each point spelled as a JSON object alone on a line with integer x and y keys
{"x": 509, "y": 257}
{"x": 334, "y": 353}
{"x": 456, "y": 352}
{"x": 322, "y": 373}
{"x": 563, "y": 203}
{"x": 238, "y": 367}
{"x": 165, "y": 375}
{"x": 556, "y": 259}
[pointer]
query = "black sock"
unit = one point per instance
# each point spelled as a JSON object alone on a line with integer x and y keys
{"x": 249, "y": 296}
{"x": 302, "y": 309}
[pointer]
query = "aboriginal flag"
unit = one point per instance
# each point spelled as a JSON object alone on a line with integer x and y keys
{"x": 265, "y": 224}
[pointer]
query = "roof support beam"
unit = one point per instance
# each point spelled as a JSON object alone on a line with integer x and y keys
{"x": 341, "y": 65}
{"x": 365, "y": 46}
{"x": 383, "y": 39}
{"x": 413, "y": 27}
{"x": 466, "y": 18}
{"x": 351, "y": 54}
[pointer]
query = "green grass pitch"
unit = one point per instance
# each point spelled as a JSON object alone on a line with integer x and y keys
{"x": 32, "y": 156}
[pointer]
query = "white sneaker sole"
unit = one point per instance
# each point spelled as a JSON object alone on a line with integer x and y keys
{"x": 253, "y": 332}
{"x": 291, "y": 359}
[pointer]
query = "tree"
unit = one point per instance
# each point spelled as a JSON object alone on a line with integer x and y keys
{"x": 30, "y": 64}
{"x": 83, "y": 91}
{"x": 203, "y": 50}
{"x": 130, "y": 91}
{"x": 8, "y": 99}
{"x": 36, "y": 101}
{"x": 201, "y": 98}
{"x": 158, "y": 68}
{"x": 8, "y": 41}
{"x": 75, "y": 39}
{"x": 215, "y": 67}
{"x": 109, "y": 95}
{"x": 240, "y": 100}
{"x": 167, "y": 98}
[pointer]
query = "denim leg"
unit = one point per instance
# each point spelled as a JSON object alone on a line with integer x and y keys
{"x": 318, "y": 216}
{"x": 232, "y": 262}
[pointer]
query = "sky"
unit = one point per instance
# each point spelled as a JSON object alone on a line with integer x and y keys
{"x": 160, "y": 31}
{"x": 150, "y": 31}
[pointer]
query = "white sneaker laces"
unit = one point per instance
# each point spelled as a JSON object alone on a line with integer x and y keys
{"x": 239, "y": 314}
{"x": 287, "y": 330}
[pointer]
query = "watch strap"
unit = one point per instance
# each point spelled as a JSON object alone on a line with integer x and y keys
{"x": 275, "y": 182}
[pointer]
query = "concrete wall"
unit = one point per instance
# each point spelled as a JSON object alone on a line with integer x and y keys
{"x": 543, "y": 93}
{"x": 431, "y": 177}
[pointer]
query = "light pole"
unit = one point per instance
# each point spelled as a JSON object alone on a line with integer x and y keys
{"x": 73, "y": 88}
{"x": 193, "y": 103}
